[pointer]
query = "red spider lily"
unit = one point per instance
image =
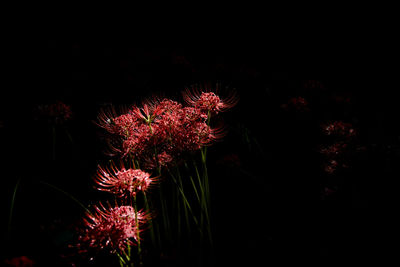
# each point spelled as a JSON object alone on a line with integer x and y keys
{"x": 111, "y": 227}
{"x": 58, "y": 112}
{"x": 123, "y": 182}
{"x": 313, "y": 84}
{"x": 124, "y": 124}
{"x": 209, "y": 102}
{"x": 164, "y": 159}
{"x": 339, "y": 128}
{"x": 172, "y": 130}
{"x": 161, "y": 130}
{"x": 22, "y": 261}
{"x": 331, "y": 166}
{"x": 333, "y": 150}
{"x": 191, "y": 131}
{"x": 109, "y": 119}
{"x": 230, "y": 159}
{"x": 298, "y": 103}
{"x": 143, "y": 113}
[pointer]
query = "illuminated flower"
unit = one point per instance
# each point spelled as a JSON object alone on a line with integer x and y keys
{"x": 114, "y": 123}
{"x": 208, "y": 102}
{"x": 160, "y": 130}
{"x": 122, "y": 182}
{"x": 111, "y": 227}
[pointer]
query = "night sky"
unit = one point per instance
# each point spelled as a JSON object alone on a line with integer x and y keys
{"x": 272, "y": 200}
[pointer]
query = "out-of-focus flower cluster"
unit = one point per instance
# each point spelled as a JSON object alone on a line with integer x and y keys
{"x": 296, "y": 104}
{"x": 336, "y": 152}
{"x": 21, "y": 261}
{"x": 56, "y": 113}
{"x": 339, "y": 129}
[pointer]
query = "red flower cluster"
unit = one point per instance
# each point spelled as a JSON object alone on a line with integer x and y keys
{"x": 296, "y": 103}
{"x": 112, "y": 228}
{"x": 58, "y": 112}
{"x": 335, "y": 153}
{"x": 152, "y": 135}
{"x": 313, "y": 84}
{"x": 123, "y": 182}
{"x": 158, "y": 132}
{"x": 208, "y": 102}
{"x": 334, "y": 150}
{"x": 339, "y": 128}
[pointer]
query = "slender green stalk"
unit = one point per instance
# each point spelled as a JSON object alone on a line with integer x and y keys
{"x": 164, "y": 208}
{"x": 67, "y": 194}
{"x": 122, "y": 261}
{"x": 201, "y": 198}
{"x": 186, "y": 202}
{"x": 127, "y": 261}
{"x": 69, "y": 135}
{"x": 178, "y": 214}
{"x": 152, "y": 234}
{"x": 54, "y": 143}
{"x": 137, "y": 232}
{"x": 12, "y": 204}
{"x": 193, "y": 184}
{"x": 206, "y": 190}
{"x": 184, "y": 206}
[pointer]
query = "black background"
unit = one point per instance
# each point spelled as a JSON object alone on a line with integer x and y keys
{"x": 269, "y": 209}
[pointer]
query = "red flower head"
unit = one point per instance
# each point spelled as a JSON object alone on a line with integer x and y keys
{"x": 57, "y": 113}
{"x": 111, "y": 227}
{"x": 208, "y": 102}
{"x": 333, "y": 150}
{"x": 123, "y": 182}
{"x": 339, "y": 128}
{"x": 22, "y": 261}
{"x": 313, "y": 84}
{"x": 114, "y": 123}
{"x": 297, "y": 103}
{"x": 331, "y": 166}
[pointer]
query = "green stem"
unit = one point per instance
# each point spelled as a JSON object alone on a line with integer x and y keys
{"x": 193, "y": 184}
{"x": 186, "y": 202}
{"x": 67, "y": 194}
{"x": 152, "y": 234}
{"x": 122, "y": 261}
{"x": 184, "y": 206}
{"x": 127, "y": 261}
{"x": 12, "y": 205}
{"x": 206, "y": 188}
{"x": 202, "y": 190}
{"x": 137, "y": 232}
{"x": 54, "y": 143}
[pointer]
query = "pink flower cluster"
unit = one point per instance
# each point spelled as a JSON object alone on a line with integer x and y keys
{"x": 335, "y": 153}
{"x": 297, "y": 104}
{"x": 153, "y": 135}
{"x": 111, "y": 227}
{"x": 58, "y": 112}
{"x": 313, "y": 84}
{"x": 339, "y": 128}
{"x": 158, "y": 132}
{"x": 123, "y": 182}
